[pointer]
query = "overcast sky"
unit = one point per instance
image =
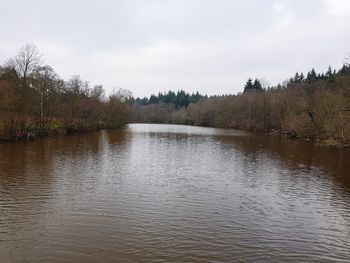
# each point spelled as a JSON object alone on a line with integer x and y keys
{"x": 148, "y": 46}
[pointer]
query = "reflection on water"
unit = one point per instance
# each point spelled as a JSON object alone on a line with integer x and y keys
{"x": 173, "y": 193}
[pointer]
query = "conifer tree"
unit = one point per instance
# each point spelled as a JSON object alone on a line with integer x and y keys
{"x": 296, "y": 77}
{"x": 330, "y": 74}
{"x": 301, "y": 77}
{"x": 248, "y": 86}
{"x": 311, "y": 76}
{"x": 257, "y": 85}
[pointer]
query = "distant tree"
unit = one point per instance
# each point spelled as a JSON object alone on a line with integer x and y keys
{"x": 251, "y": 86}
{"x": 25, "y": 62}
{"x": 20, "y": 71}
{"x": 257, "y": 85}
{"x": 301, "y": 77}
{"x": 330, "y": 75}
{"x": 170, "y": 97}
{"x": 142, "y": 101}
{"x": 123, "y": 94}
{"x": 248, "y": 86}
{"x": 98, "y": 92}
{"x": 182, "y": 99}
{"x": 45, "y": 83}
{"x": 296, "y": 77}
{"x": 311, "y": 76}
{"x": 153, "y": 99}
{"x": 264, "y": 84}
{"x": 179, "y": 99}
{"x": 345, "y": 68}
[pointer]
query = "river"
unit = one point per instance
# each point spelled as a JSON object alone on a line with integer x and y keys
{"x": 170, "y": 193}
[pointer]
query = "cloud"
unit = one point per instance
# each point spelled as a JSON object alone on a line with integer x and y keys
{"x": 338, "y": 7}
{"x": 157, "y": 45}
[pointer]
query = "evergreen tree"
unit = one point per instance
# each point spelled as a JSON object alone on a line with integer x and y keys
{"x": 301, "y": 77}
{"x": 153, "y": 99}
{"x": 345, "y": 68}
{"x": 248, "y": 86}
{"x": 311, "y": 76}
{"x": 296, "y": 77}
{"x": 330, "y": 74}
{"x": 257, "y": 85}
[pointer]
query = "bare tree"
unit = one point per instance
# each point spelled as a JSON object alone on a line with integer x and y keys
{"x": 122, "y": 94}
{"x": 98, "y": 92}
{"x": 45, "y": 82}
{"x": 26, "y": 61}
{"x": 20, "y": 71}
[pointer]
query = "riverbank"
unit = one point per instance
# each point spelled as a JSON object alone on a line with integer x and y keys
{"x": 35, "y": 101}
{"x": 60, "y": 130}
{"x": 331, "y": 143}
{"x": 314, "y": 108}
{"x": 324, "y": 142}
{"x": 32, "y": 135}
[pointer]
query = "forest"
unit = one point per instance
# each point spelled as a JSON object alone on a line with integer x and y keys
{"x": 35, "y": 102}
{"x": 315, "y": 106}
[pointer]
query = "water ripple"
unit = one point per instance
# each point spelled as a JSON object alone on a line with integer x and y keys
{"x": 172, "y": 194}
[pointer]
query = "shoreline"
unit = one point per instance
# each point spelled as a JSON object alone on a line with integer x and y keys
{"x": 330, "y": 143}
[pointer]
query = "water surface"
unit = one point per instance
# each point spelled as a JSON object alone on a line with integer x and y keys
{"x": 170, "y": 193}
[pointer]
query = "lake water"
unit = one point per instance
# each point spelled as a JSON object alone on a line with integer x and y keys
{"x": 170, "y": 193}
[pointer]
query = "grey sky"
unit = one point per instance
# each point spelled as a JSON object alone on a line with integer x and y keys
{"x": 156, "y": 45}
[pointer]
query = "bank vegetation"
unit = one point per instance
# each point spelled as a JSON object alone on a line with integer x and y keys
{"x": 313, "y": 107}
{"x": 35, "y": 101}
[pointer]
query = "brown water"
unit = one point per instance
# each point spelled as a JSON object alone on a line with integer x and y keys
{"x": 170, "y": 193}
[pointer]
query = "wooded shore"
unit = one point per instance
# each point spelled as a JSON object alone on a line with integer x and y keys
{"x": 35, "y": 102}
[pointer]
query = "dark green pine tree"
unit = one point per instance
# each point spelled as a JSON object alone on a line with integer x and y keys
{"x": 301, "y": 77}
{"x": 248, "y": 86}
{"x": 345, "y": 68}
{"x": 296, "y": 77}
{"x": 153, "y": 99}
{"x": 330, "y": 74}
{"x": 257, "y": 85}
{"x": 160, "y": 97}
{"x": 311, "y": 76}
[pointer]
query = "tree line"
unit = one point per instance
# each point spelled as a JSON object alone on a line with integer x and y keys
{"x": 35, "y": 101}
{"x": 315, "y": 107}
{"x": 179, "y": 99}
